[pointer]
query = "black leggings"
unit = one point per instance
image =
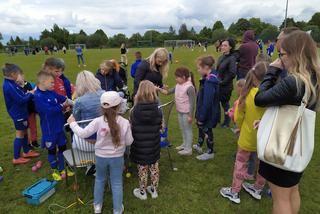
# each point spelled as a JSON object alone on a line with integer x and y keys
{"x": 206, "y": 132}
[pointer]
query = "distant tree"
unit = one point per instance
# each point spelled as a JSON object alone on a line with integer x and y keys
{"x": 133, "y": 40}
{"x": 269, "y": 33}
{"x": 11, "y": 41}
{"x": 301, "y": 25}
{"x": 219, "y": 34}
{"x": 290, "y": 23}
{"x": 1, "y": 38}
{"x": 117, "y": 40}
{"x": 18, "y": 41}
{"x": 82, "y": 33}
{"x": 217, "y": 25}
{"x": 315, "y": 33}
{"x": 45, "y": 34}
{"x": 80, "y": 39}
{"x": 257, "y": 25}
{"x": 239, "y": 27}
{"x": 193, "y": 34}
{"x": 49, "y": 42}
{"x": 315, "y": 19}
{"x": 172, "y": 31}
{"x": 184, "y": 32}
{"x": 205, "y": 34}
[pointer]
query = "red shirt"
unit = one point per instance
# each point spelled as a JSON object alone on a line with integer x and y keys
{"x": 59, "y": 87}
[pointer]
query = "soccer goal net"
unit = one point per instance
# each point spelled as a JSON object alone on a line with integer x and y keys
{"x": 73, "y": 46}
{"x": 179, "y": 43}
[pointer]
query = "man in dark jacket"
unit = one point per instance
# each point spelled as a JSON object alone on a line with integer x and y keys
{"x": 248, "y": 52}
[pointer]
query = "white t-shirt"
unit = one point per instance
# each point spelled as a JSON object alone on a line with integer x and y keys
{"x": 104, "y": 146}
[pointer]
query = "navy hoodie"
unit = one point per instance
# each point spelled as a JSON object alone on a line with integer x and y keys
{"x": 208, "y": 107}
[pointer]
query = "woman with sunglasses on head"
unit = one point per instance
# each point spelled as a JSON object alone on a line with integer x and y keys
{"x": 154, "y": 69}
{"x": 299, "y": 57}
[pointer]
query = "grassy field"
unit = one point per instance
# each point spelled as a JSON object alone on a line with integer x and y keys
{"x": 194, "y": 188}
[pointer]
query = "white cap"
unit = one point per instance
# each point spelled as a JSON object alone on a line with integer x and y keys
{"x": 110, "y": 99}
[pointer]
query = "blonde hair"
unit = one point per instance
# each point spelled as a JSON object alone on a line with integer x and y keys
{"x": 146, "y": 93}
{"x": 86, "y": 83}
{"x": 162, "y": 53}
{"x": 304, "y": 63}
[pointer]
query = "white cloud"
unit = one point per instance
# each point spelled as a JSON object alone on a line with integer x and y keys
{"x": 126, "y": 16}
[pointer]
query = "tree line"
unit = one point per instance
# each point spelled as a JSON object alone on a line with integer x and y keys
{"x": 59, "y": 37}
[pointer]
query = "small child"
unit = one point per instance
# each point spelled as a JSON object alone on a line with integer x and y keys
{"x": 135, "y": 65}
{"x": 146, "y": 120}
{"x": 185, "y": 97}
{"x": 208, "y": 109}
{"x": 246, "y": 114}
{"x": 50, "y": 105}
{"x": 113, "y": 135}
{"x": 17, "y": 106}
{"x": 62, "y": 84}
{"x": 32, "y": 119}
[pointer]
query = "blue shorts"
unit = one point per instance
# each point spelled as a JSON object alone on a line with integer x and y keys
{"x": 51, "y": 142}
{"x": 21, "y": 124}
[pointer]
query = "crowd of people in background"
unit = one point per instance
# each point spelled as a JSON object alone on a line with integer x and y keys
{"x": 99, "y": 97}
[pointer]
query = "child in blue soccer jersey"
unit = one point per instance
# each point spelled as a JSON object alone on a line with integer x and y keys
{"x": 17, "y": 106}
{"x": 50, "y": 107}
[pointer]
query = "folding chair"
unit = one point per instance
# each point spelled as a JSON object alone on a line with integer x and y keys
{"x": 165, "y": 143}
{"x": 83, "y": 155}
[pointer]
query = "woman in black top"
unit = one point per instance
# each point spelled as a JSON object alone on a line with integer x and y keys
{"x": 226, "y": 69}
{"x": 123, "y": 52}
{"x": 299, "y": 56}
{"x": 154, "y": 69}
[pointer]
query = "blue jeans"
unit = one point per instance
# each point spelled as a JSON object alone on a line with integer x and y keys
{"x": 113, "y": 166}
{"x": 80, "y": 57}
{"x": 186, "y": 129}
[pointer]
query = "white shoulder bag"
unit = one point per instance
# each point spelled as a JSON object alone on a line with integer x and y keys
{"x": 286, "y": 136}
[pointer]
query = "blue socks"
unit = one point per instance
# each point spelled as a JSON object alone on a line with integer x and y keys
{"x": 52, "y": 159}
{"x": 60, "y": 161}
{"x": 25, "y": 145}
{"x": 17, "y": 144}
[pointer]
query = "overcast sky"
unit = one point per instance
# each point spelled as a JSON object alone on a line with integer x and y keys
{"x": 24, "y": 17}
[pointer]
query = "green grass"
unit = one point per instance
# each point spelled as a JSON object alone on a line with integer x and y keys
{"x": 194, "y": 188}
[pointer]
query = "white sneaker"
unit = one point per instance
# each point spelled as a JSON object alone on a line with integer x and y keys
{"x": 97, "y": 208}
{"x": 205, "y": 156}
{"x": 181, "y": 147}
{"x": 185, "y": 152}
{"x": 227, "y": 193}
{"x": 137, "y": 193}
{"x": 153, "y": 193}
{"x": 249, "y": 188}
{"x": 197, "y": 148}
{"x": 122, "y": 210}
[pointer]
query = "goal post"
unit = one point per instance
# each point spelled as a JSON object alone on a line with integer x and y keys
{"x": 179, "y": 43}
{"x": 73, "y": 46}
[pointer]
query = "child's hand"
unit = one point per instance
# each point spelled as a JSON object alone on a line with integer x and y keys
{"x": 165, "y": 87}
{"x": 71, "y": 119}
{"x": 189, "y": 119}
{"x": 163, "y": 91}
{"x": 256, "y": 124}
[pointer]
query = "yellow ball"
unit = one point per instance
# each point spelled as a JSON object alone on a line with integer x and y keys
{"x": 128, "y": 174}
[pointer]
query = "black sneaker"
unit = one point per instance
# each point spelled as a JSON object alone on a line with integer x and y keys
{"x": 91, "y": 170}
{"x": 35, "y": 144}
